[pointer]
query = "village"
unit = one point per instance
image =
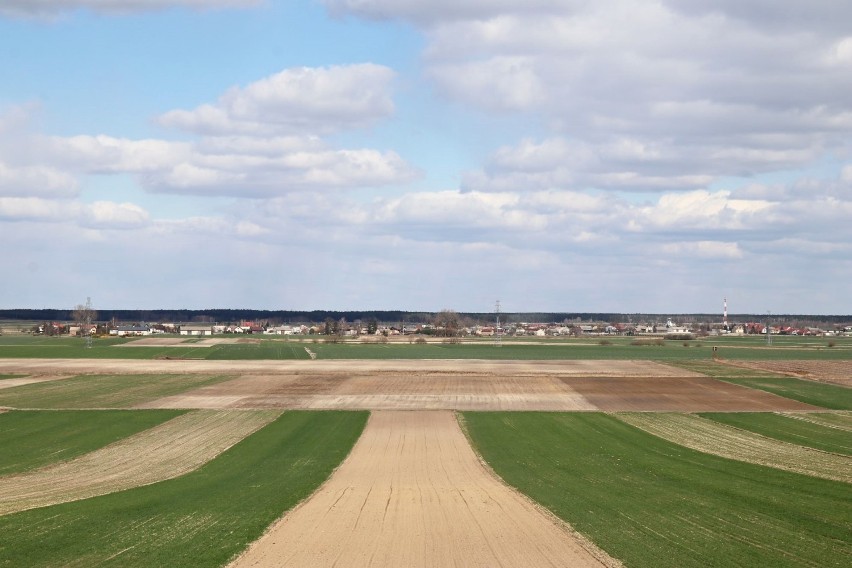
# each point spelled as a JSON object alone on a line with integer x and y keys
{"x": 342, "y": 328}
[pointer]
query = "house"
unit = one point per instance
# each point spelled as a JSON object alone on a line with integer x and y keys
{"x": 131, "y": 330}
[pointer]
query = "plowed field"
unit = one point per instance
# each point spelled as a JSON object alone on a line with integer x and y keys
{"x": 166, "y": 451}
{"x": 412, "y": 493}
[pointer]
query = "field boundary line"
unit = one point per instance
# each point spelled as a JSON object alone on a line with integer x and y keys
{"x": 705, "y": 435}
{"x": 585, "y": 542}
{"x": 166, "y": 451}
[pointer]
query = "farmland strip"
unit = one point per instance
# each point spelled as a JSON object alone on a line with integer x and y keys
{"x": 714, "y": 438}
{"x": 413, "y": 493}
{"x": 166, "y": 451}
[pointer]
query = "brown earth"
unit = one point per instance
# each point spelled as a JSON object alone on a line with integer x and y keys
{"x": 683, "y": 394}
{"x": 441, "y": 384}
{"x": 384, "y": 390}
{"x": 413, "y": 493}
{"x": 729, "y": 442}
{"x": 837, "y": 372}
{"x": 163, "y": 452}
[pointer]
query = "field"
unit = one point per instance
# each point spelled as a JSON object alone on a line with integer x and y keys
{"x": 637, "y": 460}
{"x": 518, "y": 349}
{"x": 650, "y": 502}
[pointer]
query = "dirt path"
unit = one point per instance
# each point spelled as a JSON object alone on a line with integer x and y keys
{"x": 722, "y": 440}
{"x": 9, "y": 383}
{"x": 163, "y": 452}
{"x": 413, "y": 493}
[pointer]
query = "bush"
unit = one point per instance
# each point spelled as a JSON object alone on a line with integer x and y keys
{"x": 604, "y": 342}
{"x": 420, "y": 341}
{"x": 832, "y": 343}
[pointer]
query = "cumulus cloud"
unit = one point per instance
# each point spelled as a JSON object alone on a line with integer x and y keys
{"x": 36, "y": 180}
{"x": 97, "y": 215}
{"x": 54, "y": 7}
{"x": 703, "y": 89}
{"x": 266, "y": 139}
{"x": 300, "y": 100}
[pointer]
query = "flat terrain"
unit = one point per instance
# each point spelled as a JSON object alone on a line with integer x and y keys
{"x": 430, "y": 385}
{"x": 837, "y": 372}
{"x": 729, "y": 442}
{"x": 412, "y": 493}
{"x": 169, "y": 450}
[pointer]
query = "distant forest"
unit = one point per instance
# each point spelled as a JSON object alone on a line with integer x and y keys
{"x": 226, "y": 316}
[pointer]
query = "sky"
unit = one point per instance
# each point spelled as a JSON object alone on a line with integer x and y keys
{"x": 632, "y": 156}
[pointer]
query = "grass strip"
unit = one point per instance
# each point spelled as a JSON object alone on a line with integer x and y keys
{"x": 653, "y": 503}
{"x": 32, "y": 439}
{"x": 788, "y": 428}
{"x": 834, "y": 397}
{"x": 4, "y": 376}
{"x": 103, "y": 391}
{"x": 201, "y": 519}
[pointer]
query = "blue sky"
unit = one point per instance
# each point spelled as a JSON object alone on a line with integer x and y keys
{"x": 620, "y": 155}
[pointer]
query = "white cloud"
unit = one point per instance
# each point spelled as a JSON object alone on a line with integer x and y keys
{"x": 36, "y": 180}
{"x": 649, "y": 95}
{"x": 301, "y": 100}
{"x": 97, "y": 215}
{"x": 704, "y": 250}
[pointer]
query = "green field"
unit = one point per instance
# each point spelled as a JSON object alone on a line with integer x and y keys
{"x": 833, "y": 397}
{"x": 32, "y": 439}
{"x": 102, "y": 391}
{"x": 10, "y": 376}
{"x": 201, "y": 519}
{"x": 733, "y": 348}
{"x": 788, "y": 429}
{"x": 652, "y": 503}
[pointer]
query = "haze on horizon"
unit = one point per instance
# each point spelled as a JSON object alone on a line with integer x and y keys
{"x": 561, "y": 156}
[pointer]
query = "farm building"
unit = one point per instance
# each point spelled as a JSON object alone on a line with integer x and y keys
{"x": 190, "y": 329}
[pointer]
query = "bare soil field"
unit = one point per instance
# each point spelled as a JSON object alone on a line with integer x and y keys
{"x": 410, "y": 390}
{"x": 677, "y": 394}
{"x": 437, "y": 384}
{"x": 166, "y": 451}
{"x": 722, "y": 440}
{"x": 413, "y": 493}
{"x": 837, "y": 372}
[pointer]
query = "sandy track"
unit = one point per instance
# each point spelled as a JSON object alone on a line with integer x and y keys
{"x": 413, "y": 493}
{"x": 9, "y": 383}
{"x": 163, "y": 452}
{"x": 722, "y": 440}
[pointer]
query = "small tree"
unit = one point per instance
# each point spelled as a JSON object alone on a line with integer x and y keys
{"x": 84, "y": 315}
{"x": 447, "y": 323}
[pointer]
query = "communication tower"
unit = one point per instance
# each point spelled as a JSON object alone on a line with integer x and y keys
{"x": 498, "y": 334}
{"x": 725, "y": 313}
